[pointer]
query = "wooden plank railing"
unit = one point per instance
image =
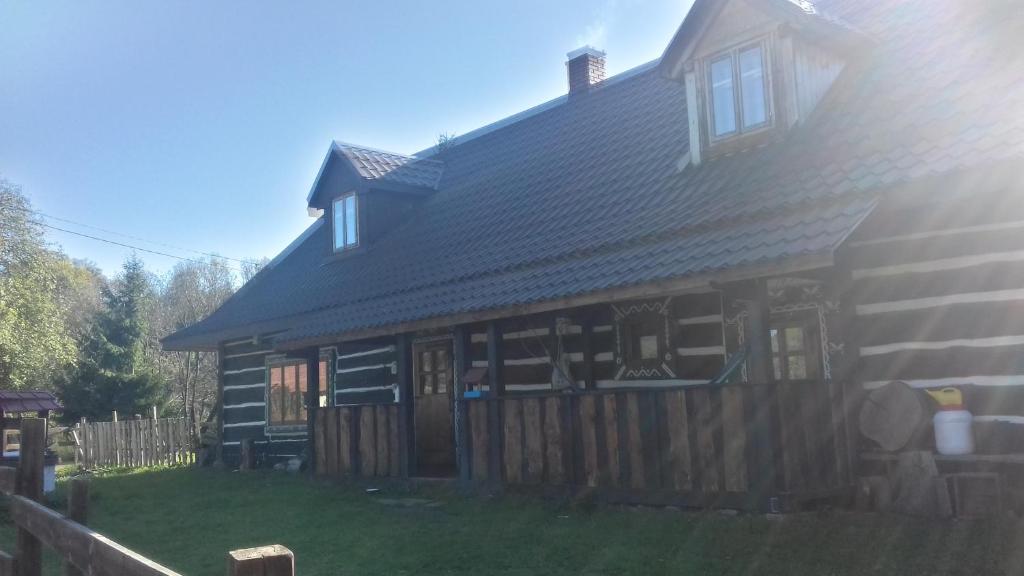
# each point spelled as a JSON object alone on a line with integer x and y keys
{"x": 133, "y": 443}
{"x": 358, "y": 441}
{"x": 84, "y": 550}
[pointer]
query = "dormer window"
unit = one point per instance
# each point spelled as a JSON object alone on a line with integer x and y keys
{"x": 346, "y": 222}
{"x": 738, "y": 94}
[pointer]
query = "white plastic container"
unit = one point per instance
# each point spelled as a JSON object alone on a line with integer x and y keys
{"x": 953, "y": 433}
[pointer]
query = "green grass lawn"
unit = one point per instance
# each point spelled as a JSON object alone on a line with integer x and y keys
{"x": 189, "y": 519}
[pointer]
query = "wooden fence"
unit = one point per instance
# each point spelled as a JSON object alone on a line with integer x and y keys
{"x": 84, "y": 551}
{"x": 133, "y": 443}
{"x": 358, "y": 440}
{"x": 709, "y": 445}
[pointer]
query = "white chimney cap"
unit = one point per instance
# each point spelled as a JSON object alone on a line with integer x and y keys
{"x": 585, "y": 50}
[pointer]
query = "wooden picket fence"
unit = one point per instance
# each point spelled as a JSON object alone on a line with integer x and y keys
{"x": 84, "y": 551}
{"x": 133, "y": 443}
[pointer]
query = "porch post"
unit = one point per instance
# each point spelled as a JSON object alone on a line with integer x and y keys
{"x": 312, "y": 403}
{"x": 407, "y": 463}
{"x": 496, "y": 390}
{"x": 461, "y": 365}
{"x": 764, "y": 477}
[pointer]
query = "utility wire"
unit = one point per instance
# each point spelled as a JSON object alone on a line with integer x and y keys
{"x": 131, "y": 246}
{"x": 104, "y": 230}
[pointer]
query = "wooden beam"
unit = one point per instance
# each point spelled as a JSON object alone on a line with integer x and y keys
{"x": 78, "y": 510}
{"x": 273, "y": 560}
{"x": 462, "y": 365}
{"x": 29, "y": 484}
{"x": 406, "y": 430}
{"x": 496, "y": 389}
{"x": 312, "y": 404}
{"x": 8, "y": 479}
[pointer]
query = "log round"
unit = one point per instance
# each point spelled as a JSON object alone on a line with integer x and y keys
{"x": 891, "y": 415}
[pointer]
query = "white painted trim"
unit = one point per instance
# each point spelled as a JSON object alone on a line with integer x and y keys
{"x": 1000, "y": 418}
{"x": 1016, "y": 224}
{"x": 243, "y": 386}
{"x": 709, "y": 319}
{"x": 604, "y": 357}
{"x": 527, "y": 361}
{"x": 367, "y": 353}
{"x": 249, "y": 340}
{"x": 693, "y": 117}
{"x": 1000, "y": 380}
{"x": 574, "y": 356}
{"x": 602, "y": 328}
{"x": 276, "y": 434}
{"x": 993, "y": 342}
{"x": 480, "y": 364}
{"x": 544, "y": 386}
{"x": 390, "y": 388}
{"x": 939, "y": 265}
{"x": 362, "y": 368}
{"x": 478, "y": 338}
{"x": 647, "y": 383}
{"x": 241, "y": 424}
{"x": 242, "y": 370}
{"x": 701, "y": 351}
{"x": 230, "y": 356}
{"x": 237, "y": 442}
{"x": 939, "y": 301}
{"x": 245, "y": 405}
{"x": 532, "y": 333}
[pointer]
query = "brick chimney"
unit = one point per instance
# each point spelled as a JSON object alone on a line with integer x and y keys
{"x": 585, "y": 67}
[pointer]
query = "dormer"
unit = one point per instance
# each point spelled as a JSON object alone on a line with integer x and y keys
{"x": 753, "y": 69}
{"x": 365, "y": 193}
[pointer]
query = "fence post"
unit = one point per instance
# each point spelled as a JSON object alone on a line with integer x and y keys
{"x": 246, "y": 461}
{"x": 78, "y": 510}
{"x": 29, "y": 483}
{"x": 273, "y": 560}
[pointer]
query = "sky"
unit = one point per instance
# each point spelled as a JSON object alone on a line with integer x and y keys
{"x": 198, "y": 126}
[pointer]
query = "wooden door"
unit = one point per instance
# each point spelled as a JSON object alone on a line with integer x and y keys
{"x": 435, "y": 438}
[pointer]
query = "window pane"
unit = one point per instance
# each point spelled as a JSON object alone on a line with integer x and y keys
{"x": 325, "y": 384}
{"x": 426, "y": 362}
{"x": 722, "y": 97}
{"x": 339, "y": 224}
{"x": 797, "y": 367}
{"x": 794, "y": 339}
{"x": 648, "y": 347}
{"x": 289, "y": 409}
{"x": 777, "y": 365}
{"x": 428, "y": 384}
{"x": 442, "y": 359}
{"x": 275, "y": 394}
{"x": 775, "y": 340}
{"x": 351, "y": 227}
{"x": 442, "y": 382}
{"x": 752, "y": 89}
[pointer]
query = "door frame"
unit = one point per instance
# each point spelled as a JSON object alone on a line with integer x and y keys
{"x": 415, "y": 344}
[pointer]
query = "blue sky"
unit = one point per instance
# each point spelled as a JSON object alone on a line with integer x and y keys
{"x": 202, "y": 124}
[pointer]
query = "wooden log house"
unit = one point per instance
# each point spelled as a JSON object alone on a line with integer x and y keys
{"x": 674, "y": 284}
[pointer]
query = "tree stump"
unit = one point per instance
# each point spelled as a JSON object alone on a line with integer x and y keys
{"x": 892, "y": 415}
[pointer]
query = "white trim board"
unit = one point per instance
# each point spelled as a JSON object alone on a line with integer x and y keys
{"x": 367, "y": 353}
{"x": 390, "y": 388}
{"x": 244, "y": 386}
{"x": 646, "y": 383}
{"x": 362, "y": 368}
{"x": 245, "y": 405}
{"x": 940, "y": 265}
{"x": 701, "y": 351}
{"x": 243, "y": 370}
{"x": 1016, "y": 224}
{"x": 1006, "y": 419}
{"x": 528, "y": 361}
{"x": 992, "y": 342}
{"x": 243, "y": 424}
{"x": 998, "y": 380}
{"x": 230, "y": 356}
{"x": 940, "y": 301}
{"x": 709, "y": 319}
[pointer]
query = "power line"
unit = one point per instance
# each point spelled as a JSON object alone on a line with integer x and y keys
{"x": 50, "y": 226}
{"x": 121, "y": 234}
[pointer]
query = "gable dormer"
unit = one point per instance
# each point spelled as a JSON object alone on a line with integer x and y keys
{"x": 365, "y": 193}
{"x": 753, "y": 69}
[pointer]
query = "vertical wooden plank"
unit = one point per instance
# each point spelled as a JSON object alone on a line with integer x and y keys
{"x": 513, "y": 446}
{"x": 383, "y": 458}
{"x": 588, "y": 431}
{"x": 534, "y": 433}
{"x": 554, "y": 440}
{"x": 461, "y": 364}
{"x": 273, "y": 560}
{"x": 406, "y": 429}
{"x": 790, "y": 444}
{"x": 611, "y": 439}
{"x": 395, "y": 464}
{"x": 331, "y": 440}
{"x": 367, "y": 448}
{"x": 496, "y": 388}
{"x": 480, "y": 442}
{"x": 320, "y": 448}
{"x": 29, "y": 483}
{"x": 78, "y": 510}
{"x": 637, "y": 471}
{"x": 678, "y": 440}
{"x": 706, "y": 453}
{"x": 342, "y": 426}
{"x": 734, "y": 434}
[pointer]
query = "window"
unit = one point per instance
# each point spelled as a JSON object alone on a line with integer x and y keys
{"x": 346, "y": 222}
{"x": 795, "y": 350}
{"x": 286, "y": 394}
{"x": 643, "y": 340}
{"x": 738, "y": 91}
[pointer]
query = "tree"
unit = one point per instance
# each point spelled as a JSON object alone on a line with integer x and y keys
{"x": 36, "y": 283}
{"x": 192, "y": 291}
{"x": 251, "y": 267}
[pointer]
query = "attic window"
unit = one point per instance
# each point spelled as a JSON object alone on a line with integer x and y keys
{"x": 346, "y": 222}
{"x": 738, "y": 95}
